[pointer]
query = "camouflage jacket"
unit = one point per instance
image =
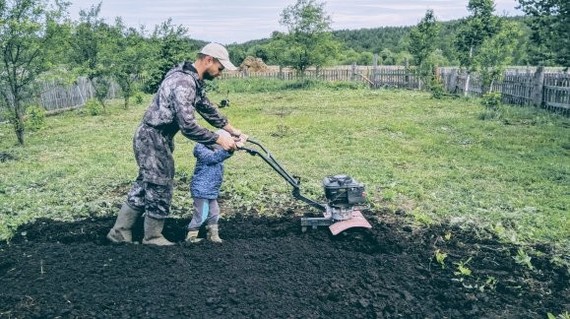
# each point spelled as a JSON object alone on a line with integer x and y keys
{"x": 180, "y": 94}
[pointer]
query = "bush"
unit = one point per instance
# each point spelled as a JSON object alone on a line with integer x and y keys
{"x": 491, "y": 100}
{"x": 493, "y": 106}
{"x": 138, "y": 98}
{"x": 93, "y": 107}
{"x": 436, "y": 88}
{"x": 35, "y": 117}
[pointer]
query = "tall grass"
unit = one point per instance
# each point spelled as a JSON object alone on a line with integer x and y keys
{"x": 433, "y": 159}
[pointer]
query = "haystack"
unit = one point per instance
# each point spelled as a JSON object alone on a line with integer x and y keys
{"x": 253, "y": 64}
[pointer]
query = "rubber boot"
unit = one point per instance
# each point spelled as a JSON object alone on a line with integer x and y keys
{"x": 121, "y": 231}
{"x": 213, "y": 233}
{"x": 153, "y": 232}
{"x": 192, "y": 237}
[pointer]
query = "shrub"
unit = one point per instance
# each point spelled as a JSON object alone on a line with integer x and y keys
{"x": 35, "y": 117}
{"x": 436, "y": 88}
{"x": 138, "y": 98}
{"x": 93, "y": 107}
{"x": 493, "y": 106}
{"x": 491, "y": 100}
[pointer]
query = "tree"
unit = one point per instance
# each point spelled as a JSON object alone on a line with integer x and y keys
{"x": 277, "y": 49}
{"x": 237, "y": 53}
{"x": 423, "y": 44}
{"x": 403, "y": 57}
{"x": 92, "y": 44}
{"x": 387, "y": 57}
{"x": 480, "y": 25}
{"x": 132, "y": 59}
{"x": 350, "y": 56}
{"x": 172, "y": 46}
{"x": 310, "y": 42}
{"x": 27, "y": 31}
{"x": 423, "y": 38}
{"x": 496, "y": 53}
{"x": 550, "y": 31}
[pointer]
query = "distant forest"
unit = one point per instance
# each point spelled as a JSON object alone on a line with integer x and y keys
{"x": 390, "y": 43}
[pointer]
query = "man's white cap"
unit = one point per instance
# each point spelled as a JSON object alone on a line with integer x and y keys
{"x": 219, "y": 52}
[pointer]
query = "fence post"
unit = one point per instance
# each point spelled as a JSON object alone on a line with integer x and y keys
{"x": 453, "y": 81}
{"x": 407, "y": 77}
{"x": 538, "y": 86}
{"x": 375, "y": 70}
{"x": 353, "y": 77}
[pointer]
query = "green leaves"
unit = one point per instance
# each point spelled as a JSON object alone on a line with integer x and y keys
{"x": 480, "y": 25}
{"x": 309, "y": 41}
{"x": 423, "y": 38}
{"x": 550, "y": 34}
{"x": 496, "y": 53}
{"x": 423, "y": 45}
{"x": 26, "y": 36}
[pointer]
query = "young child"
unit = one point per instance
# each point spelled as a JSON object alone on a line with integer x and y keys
{"x": 205, "y": 188}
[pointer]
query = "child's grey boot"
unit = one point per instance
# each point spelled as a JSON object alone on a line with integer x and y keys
{"x": 121, "y": 231}
{"x": 214, "y": 234}
{"x": 153, "y": 232}
{"x": 192, "y": 237}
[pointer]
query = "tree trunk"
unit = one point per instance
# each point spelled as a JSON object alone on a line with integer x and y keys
{"x": 466, "y": 86}
{"x": 127, "y": 92}
{"x": 20, "y": 133}
{"x": 126, "y": 106}
{"x": 19, "y": 121}
{"x": 468, "y": 78}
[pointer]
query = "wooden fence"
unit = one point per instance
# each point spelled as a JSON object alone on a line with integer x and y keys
{"x": 539, "y": 87}
{"x": 547, "y": 88}
{"x": 556, "y": 91}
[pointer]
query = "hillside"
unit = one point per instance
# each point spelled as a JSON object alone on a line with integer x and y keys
{"x": 387, "y": 41}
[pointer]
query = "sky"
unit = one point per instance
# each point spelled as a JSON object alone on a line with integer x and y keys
{"x": 238, "y": 21}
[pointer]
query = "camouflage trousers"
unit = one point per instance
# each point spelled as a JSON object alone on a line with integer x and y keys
{"x": 152, "y": 190}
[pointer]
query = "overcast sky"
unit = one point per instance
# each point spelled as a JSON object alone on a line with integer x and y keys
{"x": 239, "y": 21}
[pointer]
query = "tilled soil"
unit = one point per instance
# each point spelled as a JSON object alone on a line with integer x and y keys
{"x": 268, "y": 268}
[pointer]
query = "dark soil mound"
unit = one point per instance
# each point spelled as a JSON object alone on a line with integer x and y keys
{"x": 268, "y": 268}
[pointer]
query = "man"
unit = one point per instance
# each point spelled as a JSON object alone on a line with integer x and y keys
{"x": 173, "y": 108}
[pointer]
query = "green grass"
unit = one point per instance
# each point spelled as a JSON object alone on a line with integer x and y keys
{"x": 434, "y": 159}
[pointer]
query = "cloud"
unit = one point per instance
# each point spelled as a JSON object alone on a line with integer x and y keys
{"x": 244, "y": 20}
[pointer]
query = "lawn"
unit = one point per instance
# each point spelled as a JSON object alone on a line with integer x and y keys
{"x": 427, "y": 159}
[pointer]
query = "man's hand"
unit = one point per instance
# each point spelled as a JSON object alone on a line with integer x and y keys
{"x": 236, "y": 134}
{"x": 226, "y": 142}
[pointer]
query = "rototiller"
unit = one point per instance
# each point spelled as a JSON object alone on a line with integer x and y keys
{"x": 344, "y": 196}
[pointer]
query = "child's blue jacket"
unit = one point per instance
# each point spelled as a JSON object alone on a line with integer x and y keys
{"x": 209, "y": 171}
